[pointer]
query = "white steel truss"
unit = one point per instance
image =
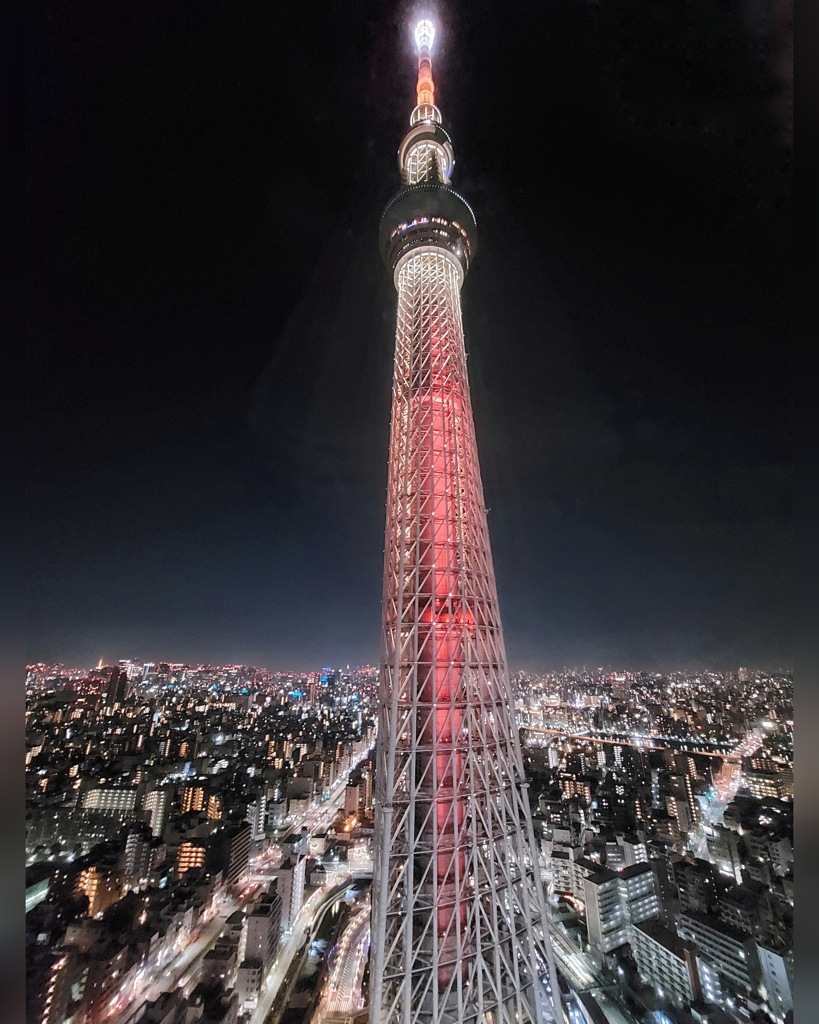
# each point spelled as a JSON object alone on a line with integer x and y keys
{"x": 459, "y": 919}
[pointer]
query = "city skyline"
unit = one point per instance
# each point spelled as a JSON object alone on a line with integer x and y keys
{"x": 208, "y": 428}
{"x": 57, "y": 670}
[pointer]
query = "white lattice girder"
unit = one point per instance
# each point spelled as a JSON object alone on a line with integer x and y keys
{"x": 458, "y": 920}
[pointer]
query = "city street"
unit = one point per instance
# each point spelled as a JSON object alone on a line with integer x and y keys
{"x": 174, "y": 973}
{"x": 342, "y": 992}
{"x": 293, "y": 940}
{"x": 182, "y": 970}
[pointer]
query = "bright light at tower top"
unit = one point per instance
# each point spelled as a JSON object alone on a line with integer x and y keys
{"x": 424, "y": 34}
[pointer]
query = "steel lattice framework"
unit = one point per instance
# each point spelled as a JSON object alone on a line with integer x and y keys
{"x": 459, "y": 920}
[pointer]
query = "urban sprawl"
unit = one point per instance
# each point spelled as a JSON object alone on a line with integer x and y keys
{"x": 199, "y": 842}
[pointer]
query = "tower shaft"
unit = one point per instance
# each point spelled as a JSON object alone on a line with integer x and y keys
{"x": 459, "y": 925}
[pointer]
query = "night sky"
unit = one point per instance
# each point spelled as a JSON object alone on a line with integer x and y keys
{"x": 211, "y": 329}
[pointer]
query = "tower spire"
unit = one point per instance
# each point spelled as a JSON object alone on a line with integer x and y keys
{"x": 424, "y": 38}
{"x": 425, "y": 111}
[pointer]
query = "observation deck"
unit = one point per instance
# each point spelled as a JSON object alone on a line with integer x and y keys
{"x": 429, "y": 213}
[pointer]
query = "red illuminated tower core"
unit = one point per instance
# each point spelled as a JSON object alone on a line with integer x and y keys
{"x": 458, "y": 926}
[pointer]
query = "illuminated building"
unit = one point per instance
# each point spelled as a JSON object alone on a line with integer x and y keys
{"x": 111, "y": 802}
{"x": 731, "y": 954}
{"x": 724, "y": 850}
{"x": 193, "y": 799}
{"x": 634, "y": 851}
{"x": 158, "y": 803}
{"x": 48, "y": 986}
{"x": 257, "y": 816}
{"x": 606, "y": 923}
{"x": 137, "y": 857}
{"x": 189, "y": 855}
{"x": 292, "y": 876}
{"x": 351, "y": 799}
{"x": 667, "y": 962}
{"x": 777, "y": 979}
{"x": 261, "y": 937}
{"x": 762, "y": 784}
{"x": 263, "y": 927}
{"x": 682, "y": 789}
{"x": 458, "y": 921}
{"x": 615, "y": 901}
{"x": 102, "y": 891}
{"x": 695, "y": 882}
{"x": 229, "y": 851}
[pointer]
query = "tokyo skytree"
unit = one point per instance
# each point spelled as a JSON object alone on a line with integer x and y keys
{"x": 459, "y": 922}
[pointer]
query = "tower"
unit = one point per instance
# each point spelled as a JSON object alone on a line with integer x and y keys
{"x": 459, "y": 930}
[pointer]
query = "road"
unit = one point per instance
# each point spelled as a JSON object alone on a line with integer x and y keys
{"x": 676, "y": 743}
{"x": 293, "y": 940}
{"x": 571, "y": 962}
{"x": 727, "y": 781}
{"x": 583, "y": 979}
{"x": 126, "y": 1007}
{"x": 172, "y": 974}
{"x": 343, "y": 990}
{"x": 342, "y": 993}
{"x": 317, "y": 820}
{"x": 615, "y": 1014}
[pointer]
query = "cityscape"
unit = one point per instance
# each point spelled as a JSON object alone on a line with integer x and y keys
{"x": 439, "y": 836}
{"x": 199, "y": 841}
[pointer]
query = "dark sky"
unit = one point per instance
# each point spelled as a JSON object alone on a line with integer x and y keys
{"x": 211, "y": 329}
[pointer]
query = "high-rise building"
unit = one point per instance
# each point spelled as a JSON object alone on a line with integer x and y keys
{"x": 101, "y": 887}
{"x": 731, "y": 954}
{"x": 158, "y": 804}
{"x": 367, "y": 783}
{"x": 696, "y": 884}
{"x": 724, "y": 850}
{"x": 193, "y": 798}
{"x": 117, "y": 802}
{"x": 606, "y": 923}
{"x": 777, "y": 979}
{"x": 634, "y": 850}
{"x": 667, "y": 962}
{"x": 238, "y": 853}
{"x": 291, "y": 882}
{"x": 458, "y": 921}
{"x": 117, "y": 688}
{"x": 258, "y": 948}
{"x": 764, "y": 784}
{"x": 190, "y": 855}
{"x": 686, "y": 808}
{"x": 351, "y": 798}
{"x": 262, "y": 929}
{"x": 48, "y": 985}
{"x": 639, "y": 893}
{"x": 256, "y": 816}
{"x": 615, "y": 901}
{"x": 137, "y": 857}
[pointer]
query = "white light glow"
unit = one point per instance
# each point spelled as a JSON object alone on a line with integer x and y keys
{"x": 424, "y": 34}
